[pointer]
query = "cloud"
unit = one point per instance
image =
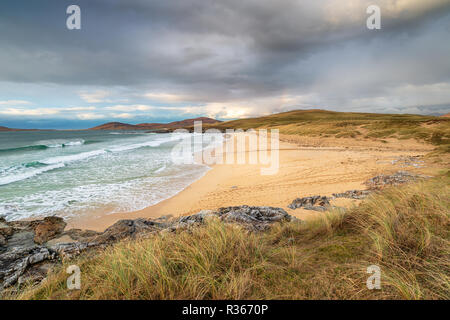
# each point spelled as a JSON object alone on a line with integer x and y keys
{"x": 226, "y": 59}
{"x": 168, "y": 97}
{"x": 42, "y": 112}
{"x": 14, "y": 103}
{"x": 94, "y": 97}
{"x": 89, "y": 116}
{"x": 29, "y": 112}
{"x": 130, "y": 108}
{"x": 123, "y": 115}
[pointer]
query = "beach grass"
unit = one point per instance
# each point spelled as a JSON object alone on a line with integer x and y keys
{"x": 403, "y": 230}
{"x": 372, "y": 126}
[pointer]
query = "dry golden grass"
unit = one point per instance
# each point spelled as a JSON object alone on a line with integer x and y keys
{"x": 403, "y": 230}
{"x": 372, "y": 126}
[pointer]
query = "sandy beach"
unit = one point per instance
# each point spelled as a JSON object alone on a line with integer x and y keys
{"x": 307, "y": 167}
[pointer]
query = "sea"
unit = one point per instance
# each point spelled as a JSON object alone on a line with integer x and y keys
{"x": 71, "y": 173}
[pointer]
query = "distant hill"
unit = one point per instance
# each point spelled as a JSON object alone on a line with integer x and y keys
{"x": 154, "y": 126}
{"x": 371, "y": 126}
{"x": 5, "y": 129}
{"x": 446, "y": 115}
{"x": 115, "y": 126}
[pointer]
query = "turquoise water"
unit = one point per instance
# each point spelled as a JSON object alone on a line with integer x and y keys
{"x": 69, "y": 173}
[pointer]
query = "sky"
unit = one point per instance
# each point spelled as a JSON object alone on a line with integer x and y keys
{"x": 140, "y": 61}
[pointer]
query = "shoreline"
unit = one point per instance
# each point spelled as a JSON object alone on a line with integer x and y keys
{"x": 306, "y": 169}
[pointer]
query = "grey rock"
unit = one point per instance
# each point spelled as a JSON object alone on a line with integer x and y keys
{"x": 127, "y": 228}
{"x": 316, "y": 208}
{"x": 353, "y": 194}
{"x": 21, "y": 239}
{"x": 3, "y": 243}
{"x": 256, "y": 218}
{"x": 35, "y": 273}
{"x": 5, "y": 229}
{"x": 14, "y": 262}
{"x": 24, "y": 259}
{"x": 400, "y": 177}
{"x": 253, "y": 218}
{"x": 70, "y": 250}
{"x": 317, "y": 203}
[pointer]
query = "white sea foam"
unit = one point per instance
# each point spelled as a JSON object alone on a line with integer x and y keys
{"x": 58, "y": 143}
{"x": 161, "y": 169}
{"x": 153, "y": 143}
{"x": 129, "y": 132}
{"x": 73, "y": 157}
{"x": 123, "y": 196}
{"x": 19, "y": 176}
{"x": 74, "y": 143}
{"x": 127, "y": 179}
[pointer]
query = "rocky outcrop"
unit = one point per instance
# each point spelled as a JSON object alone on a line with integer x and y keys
{"x": 353, "y": 194}
{"x": 48, "y": 229}
{"x": 15, "y": 262}
{"x": 126, "y": 229}
{"x": 322, "y": 203}
{"x": 5, "y": 232}
{"x": 317, "y": 203}
{"x": 252, "y": 218}
{"x": 28, "y": 249}
{"x": 21, "y": 246}
{"x": 400, "y": 177}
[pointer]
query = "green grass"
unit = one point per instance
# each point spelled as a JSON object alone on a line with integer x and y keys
{"x": 403, "y": 230}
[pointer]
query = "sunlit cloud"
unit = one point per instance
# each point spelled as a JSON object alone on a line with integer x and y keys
{"x": 95, "y": 97}
{"x": 130, "y": 108}
{"x": 89, "y": 116}
{"x": 29, "y": 112}
{"x": 123, "y": 115}
{"x": 168, "y": 97}
{"x": 9, "y": 103}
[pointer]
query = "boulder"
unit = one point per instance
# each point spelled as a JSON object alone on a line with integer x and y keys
{"x": 48, "y": 228}
{"x": 253, "y": 218}
{"x": 127, "y": 228}
{"x": 5, "y": 229}
{"x": 256, "y": 218}
{"x": 317, "y": 203}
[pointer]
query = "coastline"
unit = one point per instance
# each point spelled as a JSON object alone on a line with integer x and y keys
{"x": 306, "y": 169}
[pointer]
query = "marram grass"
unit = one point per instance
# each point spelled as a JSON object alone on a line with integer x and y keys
{"x": 405, "y": 231}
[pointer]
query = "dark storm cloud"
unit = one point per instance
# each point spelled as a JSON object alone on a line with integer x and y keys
{"x": 317, "y": 53}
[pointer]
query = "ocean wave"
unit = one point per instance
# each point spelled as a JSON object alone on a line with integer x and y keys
{"x": 73, "y": 143}
{"x": 26, "y": 148}
{"x": 161, "y": 169}
{"x": 43, "y": 146}
{"x": 153, "y": 143}
{"x": 39, "y": 166}
{"x": 129, "y": 132}
{"x": 34, "y": 168}
{"x": 19, "y": 176}
{"x": 73, "y": 157}
{"x": 61, "y": 143}
{"x": 108, "y": 197}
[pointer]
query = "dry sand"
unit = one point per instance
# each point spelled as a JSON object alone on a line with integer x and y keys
{"x": 308, "y": 166}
